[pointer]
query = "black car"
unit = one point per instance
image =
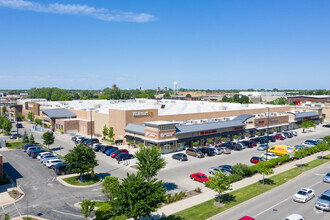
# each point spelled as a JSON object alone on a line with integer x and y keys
{"x": 91, "y": 141}
{"x": 258, "y": 140}
{"x": 225, "y": 145}
{"x": 265, "y": 139}
{"x": 207, "y": 151}
{"x": 227, "y": 168}
{"x": 18, "y": 119}
{"x": 180, "y": 156}
{"x": 326, "y": 126}
{"x": 27, "y": 145}
{"x": 105, "y": 148}
{"x": 121, "y": 157}
{"x": 271, "y": 138}
{"x": 247, "y": 143}
{"x": 237, "y": 147}
{"x": 34, "y": 153}
{"x": 288, "y": 134}
{"x": 231, "y": 143}
{"x": 97, "y": 148}
{"x": 14, "y": 136}
{"x": 19, "y": 125}
{"x": 61, "y": 169}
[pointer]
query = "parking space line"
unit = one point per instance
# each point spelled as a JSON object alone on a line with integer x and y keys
{"x": 66, "y": 213}
{"x": 17, "y": 209}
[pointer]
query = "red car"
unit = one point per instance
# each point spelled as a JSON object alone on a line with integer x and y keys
{"x": 200, "y": 177}
{"x": 256, "y": 159}
{"x": 253, "y": 142}
{"x": 247, "y": 218}
{"x": 114, "y": 154}
{"x": 279, "y": 136}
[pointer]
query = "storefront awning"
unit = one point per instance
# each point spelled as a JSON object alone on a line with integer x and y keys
{"x": 273, "y": 126}
{"x": 159, "y": 141}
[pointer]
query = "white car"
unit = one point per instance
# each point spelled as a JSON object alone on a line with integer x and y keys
{"x": 269, "y": 156}
{"x": 307, "y": 144}
{"x": 303, "y": 195}
{"x": 43, "y": 153}
{"x": 50, "y": 158}
{"x": 217, "y": 150}
{"x": 294, "y": 217}
{"x": 52, "y": 162}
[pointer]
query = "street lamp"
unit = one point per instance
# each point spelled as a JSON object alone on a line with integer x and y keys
{"x": 91, "y": 109}
{"x": 267, "y": 131}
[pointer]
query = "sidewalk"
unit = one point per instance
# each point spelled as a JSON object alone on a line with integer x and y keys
{"x": 210, "y": 194}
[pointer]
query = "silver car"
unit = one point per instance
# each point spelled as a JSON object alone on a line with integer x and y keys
{"x": 50, "y": 158}
{"x": 326, "y": 178}
{"x": 323, "y": 202}
{"x": 212, "y": 170}
{"x": 263, "y": 147}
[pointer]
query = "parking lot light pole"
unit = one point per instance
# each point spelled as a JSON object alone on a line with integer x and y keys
{"x": 267, "y": 132}
{"x": 91, "y": 109}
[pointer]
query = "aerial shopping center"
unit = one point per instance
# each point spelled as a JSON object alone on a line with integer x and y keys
{"x": 170, "y": 124}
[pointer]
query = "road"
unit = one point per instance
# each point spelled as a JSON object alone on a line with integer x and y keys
{"x": 278, "y": 204}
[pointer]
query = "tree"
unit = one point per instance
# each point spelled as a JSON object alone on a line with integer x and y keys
{"x": 81, "y": 159}
{"x": 219, "y": 183}
{"x": 136, "y": 198}
{"x": 4, "y": 109}
{"x": 263, "y": 169}
{"x": 31, "y": 139}
{"x": 105, "y": 131}
{"x": 109, "y": 186}
{"x": 6, "y": 125}
{"x": 167, "y": 95}
{"x": 110, "y": 133}
{"x": 30, "y": 116}
{"x": 327, "y": 139}
{"x": 244, "y": 99}
{"x": 257, "y": 133}
{"x": 323, "y": 145}
{"x": 188, "y": 96}
{"x": 87, "y": 207}
{"x": 236, "y": 98}
{"x": 104, "y": 212}
{"x": 305, "y": 124}
{"x": 25, "y": 138}
{"x": 235, "y": 136}
{"x": 48, "y": 138}
{"x": 149, "y": 162}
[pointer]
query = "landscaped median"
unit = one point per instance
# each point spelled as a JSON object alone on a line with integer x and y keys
{"x": 208, "y": 209}
{"x": 73, "y": 180}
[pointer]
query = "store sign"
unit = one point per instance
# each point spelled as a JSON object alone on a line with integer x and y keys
{"x": 207, "y": 132}
{"x": 139, "y": 114}
{"x": 275, "y": 119}
{"x": 238, "y": 128}
{"x": 168, "y": 134}
{"x": 260, "y": 122}
{"x": 150, "y": 134}
{"x": 308, "y": 118}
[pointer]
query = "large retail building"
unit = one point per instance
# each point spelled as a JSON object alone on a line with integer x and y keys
{"x": 169, "y": 124}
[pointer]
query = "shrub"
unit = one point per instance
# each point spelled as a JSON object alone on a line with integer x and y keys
{"x": 199, "y": 190}
{"x": 103, "y": 213}
{"x": 241, "y": 169}
{"x": 176, "y": 197}
{"x": 234, "y": 178}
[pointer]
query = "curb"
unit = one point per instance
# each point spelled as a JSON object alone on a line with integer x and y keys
{"x": 60, "y": 180}
{"x": 31, "y": 216}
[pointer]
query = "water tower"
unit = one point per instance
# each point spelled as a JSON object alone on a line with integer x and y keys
{"x": 175, "y": 88}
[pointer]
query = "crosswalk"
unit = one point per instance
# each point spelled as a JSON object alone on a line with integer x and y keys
{"x": 11, "y": 210}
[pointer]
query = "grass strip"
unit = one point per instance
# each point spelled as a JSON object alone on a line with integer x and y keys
{"x": 74, "y": 180}
{"x": 207, "y": 209}
{"x": 12, "y": 145}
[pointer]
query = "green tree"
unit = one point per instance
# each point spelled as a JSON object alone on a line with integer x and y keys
{"x": 235, "y": 136}
{"x": 327, "y": 139}
{"x": 2, "y": 120}
{"x": 257, "y": 133}
{"x": 110, "y": 186}
{"x": 188, "y": 96}
{"x": 104, "y": 212}
{"x": 323, "y": 145}
{"x": 236, "y": 98}
{"x": 4, "y": 109}
{"x": 87, "y": 207}
{"x": 219, "y": 183}
{"x": 25, "y": 138}
{"x": 81, "y": 159}
{"x": 105, "y": 131}
{"x": 6, "y": 125}
{"x": 167, "y": 95}
{"x": 110, "y": 133}
{"x": 244, "y": 99}
{"x": 263, "y": 169}
{"x": 149, "y": 162}
{"x": 305, "y": 124}
{"x": 48, "y": 138}
{"x": 30, "y": 116}
{"x": 136, "y": 198}
{"x": 31, "y": 139}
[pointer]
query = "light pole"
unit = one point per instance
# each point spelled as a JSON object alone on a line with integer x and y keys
{"x": 267, "y": 131}
{"x": 91, "y": 109}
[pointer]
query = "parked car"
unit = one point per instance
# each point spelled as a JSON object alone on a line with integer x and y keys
{"x": 271, "y": 138}
{"x": 32, "y": 148}
{"x": 19, "y": 125}
{"x": 207, "y": 151}
{"x": 323, "y": 202}
{"x": 44, "y": 161}
{"x": 268, "y": 156}
{"x": 61, "y": 169}
{"x": 315, "y": 142}
{"x": 258, "y": 140}
{"x": 264, "y": 139}
{"x": 123, "y": 151}
{"x": 225, "y": 145}
{"x": 121, "y": 157}
{"x": 75, "y": 138}
{"x": 326, "y": 178}
{"x": 308, "y": 144}
{"x": 225, "y": 150}
{"x": 12, "y": 121}
{"x": 280, "y": 136}
{"x": 294, "y": 133}
{"x": 109, "y": 151}
{"x": 43, "y": 153}
{"x": 247, "y": 218}
{"x": 248, "y": 144}
{"x": 18, "y": 119}
{"x": 194, "y": 152}
{"x": 47, "y": 156}
{"x": 15, "y": 136}
{"x": 27, "y": 145}
{"x": 263, "y": 147}
{"x": 298, "y": 147}
{"x": 288, "y": 134}
{"x": 51, "y": 163}
{"x": 237, "y": 147}
{"x": 36, "y": 152}
{"x": 180, "y": 156}
{"x": 326, "y": 126}
{"x": 281, "y": 150}
{"x": 255, "y": 159}
{"x": 97, "y": 147}
{"x": 227, "y": 167}
{"x": 242, "y": 145}
{"x": 231, "y": 143}
{"x": 212, "y": 170}
{"x": 303, "y": 195}
{"x": 217, "y": 150}
{"x": 294, "y": 217}
{"x": 254, "y": 143}
{"x": 105, "y": 148}
{"x": 200, "y": 177}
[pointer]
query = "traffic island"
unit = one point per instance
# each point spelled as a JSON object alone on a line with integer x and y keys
{"x": 73, "y": 180}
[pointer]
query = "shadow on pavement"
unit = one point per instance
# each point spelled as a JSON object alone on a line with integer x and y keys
{"x": 103, "y": 175}
{"x": 12, "y": 172}
{"x": 170, "y": 186}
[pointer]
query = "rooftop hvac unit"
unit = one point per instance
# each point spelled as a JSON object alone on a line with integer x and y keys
{"x": 80, "y": 101}
{"x": 97, "y": 106}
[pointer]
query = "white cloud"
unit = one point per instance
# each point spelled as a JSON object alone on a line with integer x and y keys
{"x": 75, "y": 9}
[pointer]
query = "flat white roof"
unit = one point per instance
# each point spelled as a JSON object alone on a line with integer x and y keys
{"x": 164, "y": 106}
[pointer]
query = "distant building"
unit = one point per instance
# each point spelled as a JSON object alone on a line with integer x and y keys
{"x": 114, "y": 86}
{"x": 308, "y": 98}
{"x": 257, "y": 97}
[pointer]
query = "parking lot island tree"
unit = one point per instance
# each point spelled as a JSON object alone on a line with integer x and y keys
{"x": 219, "y": 183}
{"x": 48, "y": 138}
{"x": 263, "y": 169}
{"x": 25, "y": 137}
{"x": 31, "y": 139}
{"x": 136, "y": 198}
{"x": 3, "y": 109}
{"x": 30, "y": 116}
{"x": 111, "y": 133}
{"x": 105, "y": 131}
{"x": 324, "y": 146}
{"x": 87, "y": 207}
{"x": 149, "y": 162}
{"x": 7, "y": 126}
{"x": 109, "y": 186}
{"x": 81, "y": 159}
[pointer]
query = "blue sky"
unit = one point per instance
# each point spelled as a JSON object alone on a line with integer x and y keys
{"x": 213, "y": 44}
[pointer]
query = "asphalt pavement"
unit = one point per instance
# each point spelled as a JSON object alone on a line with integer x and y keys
{"x": 278, "y": 203}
